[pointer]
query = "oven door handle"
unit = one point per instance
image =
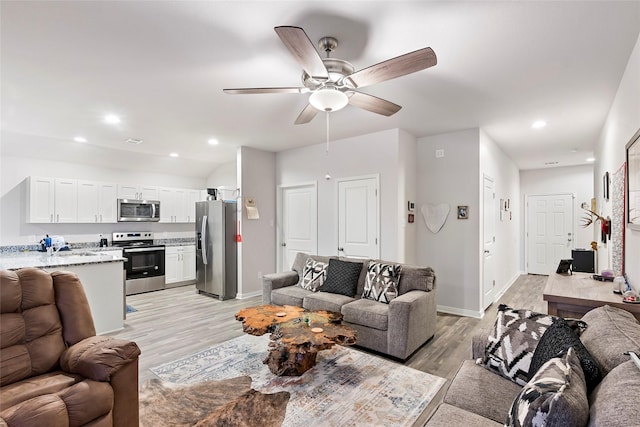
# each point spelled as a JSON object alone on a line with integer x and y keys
{"x": 203, "y": 239}
{"x": 145, "y": 249}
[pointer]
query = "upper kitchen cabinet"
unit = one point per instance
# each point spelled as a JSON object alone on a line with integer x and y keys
{"x": 137, "y": 192}
{"x": 51, "y": 200}
{"x": 178, "y": 204}
{"x": 193, "y": 196}
{"x": 97, "y": 202}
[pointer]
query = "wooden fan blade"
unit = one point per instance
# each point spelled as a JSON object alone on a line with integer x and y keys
{"x": 253, "y": 90}
{"x": 373, "y": 104}
{"x": 298, "y": 43}
{"x": 306, "y": 115}
{"x": 394, "y": 67}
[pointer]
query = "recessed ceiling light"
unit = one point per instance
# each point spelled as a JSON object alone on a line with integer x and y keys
{"x": 111, "y": 119}
{"x": 213, "y": 141}
{"x": 80, "y": 139}
{"x": 591, "y": 159}
{"x": 538, "y": 124}
{"x": 173, "y": 154}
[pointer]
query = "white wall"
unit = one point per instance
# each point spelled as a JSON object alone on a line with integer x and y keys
{"x": 407, "y": 170}
{"x": 576, "y": 180}
{"x": 257, "y": 252}
{"x": 225, "y": 179}
{"x": 375, "y": 153}
{"x": 621, "y": 124}
{"x": 13, "y": 191}
{"x": 497, "y": 165}
{"x": 454, "y": 251}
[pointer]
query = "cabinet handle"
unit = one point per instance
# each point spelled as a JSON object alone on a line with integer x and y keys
{"x": 58, "y": 218}
{"x": 51, "y": 217}
{"x": 96, "y": 215}
{"x": 100, "y": 217}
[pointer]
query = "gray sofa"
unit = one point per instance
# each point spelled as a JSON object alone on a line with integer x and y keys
{"x": 396, "y": 329}
{"x": 479, "y": 397}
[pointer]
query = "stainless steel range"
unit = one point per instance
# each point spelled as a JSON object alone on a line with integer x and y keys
{"x": 144, "y": 267}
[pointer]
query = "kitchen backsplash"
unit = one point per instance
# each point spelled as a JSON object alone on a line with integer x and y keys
{"x": 94, "y": 245}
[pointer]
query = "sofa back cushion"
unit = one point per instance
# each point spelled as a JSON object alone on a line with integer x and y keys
{"x": 416, "y": 278}
{"x": 30, "y": 329}
{"x": 73, "y": 307}
{"x": 611, "y": 333}
{"x": 615, "y": 401}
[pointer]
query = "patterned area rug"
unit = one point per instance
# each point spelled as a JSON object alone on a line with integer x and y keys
{"x": 346, "y": 388}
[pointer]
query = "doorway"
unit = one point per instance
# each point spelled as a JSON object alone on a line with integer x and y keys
{"x": 549, "y": 231}
{"x": 299, "y": 230}
{"x": 358, "y": 217}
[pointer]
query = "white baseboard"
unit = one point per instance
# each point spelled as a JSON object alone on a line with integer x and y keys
{"x": 460, "y": 311}
{"x": 509, "y": 284}
{"x": 249, "y": 295}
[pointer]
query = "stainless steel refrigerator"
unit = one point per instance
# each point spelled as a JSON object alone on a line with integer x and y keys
{"x": 216, "y": 256}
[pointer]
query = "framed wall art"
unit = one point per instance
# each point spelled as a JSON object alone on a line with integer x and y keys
{"x": 463, "y": 212}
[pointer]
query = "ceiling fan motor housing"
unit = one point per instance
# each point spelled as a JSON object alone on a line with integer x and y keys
{"x": 338, "y": 69}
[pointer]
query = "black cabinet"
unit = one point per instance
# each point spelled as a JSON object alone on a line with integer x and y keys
{"x": 583, "y": 260}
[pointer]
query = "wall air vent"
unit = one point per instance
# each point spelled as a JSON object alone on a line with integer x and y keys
{"x": 133, "y": 141}
{"x": 550, "y": 163}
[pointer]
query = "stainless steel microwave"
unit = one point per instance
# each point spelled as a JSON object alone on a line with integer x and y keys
{"x": 130, "y": 210}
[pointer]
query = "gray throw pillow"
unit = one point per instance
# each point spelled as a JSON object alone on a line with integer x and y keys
{"x": 512, "y": 341}
{"x": 313, "y": 274}
{"x": 555, "y": 396}
{"x": 382, "y": 281}
{"x": 342, "y": 277}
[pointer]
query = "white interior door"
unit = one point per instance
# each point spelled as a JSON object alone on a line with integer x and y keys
{"x": 550, "y": 228}
{"x": 358, "y": 218}
{"x": 299, "y": 223}
{"x": 489, "y": 242}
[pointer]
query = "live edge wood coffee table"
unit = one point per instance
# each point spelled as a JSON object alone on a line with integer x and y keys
{"x": 296, "y": 335}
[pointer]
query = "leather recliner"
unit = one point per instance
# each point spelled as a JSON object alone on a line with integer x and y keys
{"x": 54, "y": 370}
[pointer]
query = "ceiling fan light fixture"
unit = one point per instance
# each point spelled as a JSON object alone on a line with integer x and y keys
{"x": 328, "y": 99}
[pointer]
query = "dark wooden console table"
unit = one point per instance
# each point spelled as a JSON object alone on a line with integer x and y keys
{"x": 576, "y": 294}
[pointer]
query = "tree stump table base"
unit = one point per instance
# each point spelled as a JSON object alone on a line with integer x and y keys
{"x": 296, "y": 335}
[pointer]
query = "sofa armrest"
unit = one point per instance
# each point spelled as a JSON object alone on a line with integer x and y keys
{"x": 98, "y": 357}
{"x": 275, "y": 281}
{"x": 479, "y": 344}
{"x": 412, "y": 321}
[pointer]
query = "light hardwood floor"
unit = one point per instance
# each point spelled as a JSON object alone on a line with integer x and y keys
{"x": 174, "y": 323}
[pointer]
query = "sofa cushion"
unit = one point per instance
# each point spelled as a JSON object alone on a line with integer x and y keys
{"x": 611, "y": 332}
{"x": 481, "y": 391}
{"x": 555, "y": 341}
{"x": 615, "y": 401}
{"x": 313, "y": 274}
{"x": 35, "y": 386}
{"x": 342, "y": 277}
{"x": 290, "y": 295}
{"x": 382, "y": 281}
{"x": 368, "y": 313}
{"x": 416, "y": 278}
{"x": 325, "y": 301}
{"x": 555, "y": 396}
{"x": 448, "y": 415}
{"x": 301, "y": 259}
{"x": 512, "y": 341}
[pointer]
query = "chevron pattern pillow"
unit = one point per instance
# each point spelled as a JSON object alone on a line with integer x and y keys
{"x": 382, "y": 281}
{"x": 313, "y": 274}
{"x": 512, "y": 342}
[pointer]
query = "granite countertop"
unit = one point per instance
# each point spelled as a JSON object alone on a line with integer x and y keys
{"x": 16, "y": 260}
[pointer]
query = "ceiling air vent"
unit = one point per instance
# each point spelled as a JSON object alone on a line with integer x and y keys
{"x": 550, "y": 163}
{"x": 133, "y": 141}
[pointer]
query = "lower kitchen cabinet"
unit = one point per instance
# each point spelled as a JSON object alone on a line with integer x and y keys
{"x": 180, "y": 265}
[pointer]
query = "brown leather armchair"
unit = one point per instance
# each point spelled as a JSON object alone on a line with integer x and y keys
{"x": 54, "y": 370}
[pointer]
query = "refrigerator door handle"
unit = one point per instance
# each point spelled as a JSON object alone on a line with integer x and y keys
{"x": 203, "y": 237}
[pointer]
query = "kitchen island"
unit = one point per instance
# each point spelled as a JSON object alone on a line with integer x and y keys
{"x": 101, "y": 274}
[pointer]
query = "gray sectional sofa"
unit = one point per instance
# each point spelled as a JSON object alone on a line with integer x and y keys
{"x": 397, "y": 329}
{"x": 480, "y": 397}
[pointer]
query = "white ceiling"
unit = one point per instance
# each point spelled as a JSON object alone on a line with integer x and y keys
{"x": 162, "y": 67}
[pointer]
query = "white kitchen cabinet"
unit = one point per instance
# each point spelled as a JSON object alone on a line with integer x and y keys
{"x": 137, "y": 192}
{"x": 180, "y": 265}
{"x": 192, "y": 197}
{"x": 51, "y": 200}
{"x": 40, "y": 199}
{"x": 97, "y": 202}
{"x": 174, "y": 206}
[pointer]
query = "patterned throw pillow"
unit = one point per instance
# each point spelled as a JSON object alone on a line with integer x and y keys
{"x": 556, "y": 340}
{"x": 512, "y": 341}
{"x": 555, "y": 396}
{"x": 313, "y": 274}
{"x": 342, "y": 277}
{"x": 382, "y": 281}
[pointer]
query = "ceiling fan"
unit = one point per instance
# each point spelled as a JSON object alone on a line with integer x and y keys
{"x": 332, "y": 82}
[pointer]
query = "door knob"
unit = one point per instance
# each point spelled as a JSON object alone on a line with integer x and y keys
{"x": 284, "y": 244}
{"x": 340, "y": 249}
{"x": 486, "y": 251}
